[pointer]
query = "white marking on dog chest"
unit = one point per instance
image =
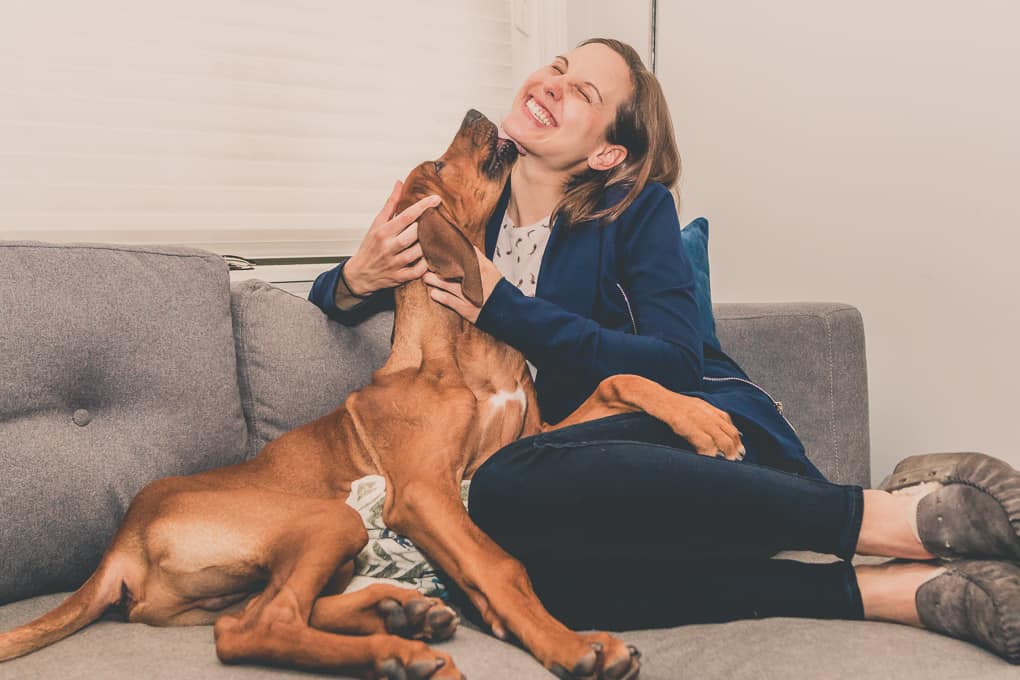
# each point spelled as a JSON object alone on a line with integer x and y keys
{"x": 501, "y": 398}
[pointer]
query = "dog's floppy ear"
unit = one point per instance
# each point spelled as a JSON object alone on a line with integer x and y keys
{"x": 449, "y": 254}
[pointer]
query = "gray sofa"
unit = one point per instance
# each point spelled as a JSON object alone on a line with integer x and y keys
{"x": 122, "y": 365}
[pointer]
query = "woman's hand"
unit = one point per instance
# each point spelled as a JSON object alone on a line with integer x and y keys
{"x": 390, "y": 253}
{"x": 451, "y": 294}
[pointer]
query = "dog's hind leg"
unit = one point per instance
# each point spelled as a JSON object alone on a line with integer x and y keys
{"x": 384, "y": 608}
{"x": 302, "y": 557}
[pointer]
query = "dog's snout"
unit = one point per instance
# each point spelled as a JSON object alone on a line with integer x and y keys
{"x": 471, "y": 116}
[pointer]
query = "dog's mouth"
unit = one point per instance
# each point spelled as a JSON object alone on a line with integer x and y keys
{"x": 502, "y": 154}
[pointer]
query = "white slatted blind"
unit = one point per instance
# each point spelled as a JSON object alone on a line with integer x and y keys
{"x": 256, "y": 127}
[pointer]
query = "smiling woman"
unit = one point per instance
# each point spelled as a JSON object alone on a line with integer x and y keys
{"x": 597, "y": 94}
{"x": 614, "y": 298}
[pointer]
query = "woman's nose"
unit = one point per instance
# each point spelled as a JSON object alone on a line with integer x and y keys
{"x": 552, "y": 88}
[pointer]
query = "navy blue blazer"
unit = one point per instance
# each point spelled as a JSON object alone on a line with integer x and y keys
{"x": 615, "y": 297}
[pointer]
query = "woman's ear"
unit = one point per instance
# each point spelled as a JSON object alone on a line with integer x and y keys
{"x": 449, "y": 254}
{"x": 607, "y": 157}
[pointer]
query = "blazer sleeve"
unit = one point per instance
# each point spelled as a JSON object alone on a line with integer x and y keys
{"x": 658, "y": 282}
{"x": 345, "y": 307}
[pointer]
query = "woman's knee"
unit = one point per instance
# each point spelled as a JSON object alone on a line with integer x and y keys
{"x": 485, "y": 496}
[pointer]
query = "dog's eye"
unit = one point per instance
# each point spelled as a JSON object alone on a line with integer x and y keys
{"x": 438, "y": 165}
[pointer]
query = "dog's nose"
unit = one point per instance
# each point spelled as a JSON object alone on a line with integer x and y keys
{"x": 471, "y": 116}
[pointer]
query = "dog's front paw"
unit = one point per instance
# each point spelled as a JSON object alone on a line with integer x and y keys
{"x": 607, "y": 658}
{"x": 419, "y": 618}
{"x": 416, "y": 661}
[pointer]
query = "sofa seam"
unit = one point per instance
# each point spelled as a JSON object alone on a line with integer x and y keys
{"x": 248, "y": 402}
{"x": 840, "y": 463}
{"x": 58, "y": 246}
{"x": 820, "y": 315}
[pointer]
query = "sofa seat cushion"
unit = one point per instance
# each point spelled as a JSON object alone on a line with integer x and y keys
{"x": 117, "y": 368}
{"x": 765, "y": 649}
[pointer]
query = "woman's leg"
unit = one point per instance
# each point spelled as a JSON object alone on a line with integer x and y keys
{"x": 619, "y": 530}
{"x": 627, "y": 594}
{"x": 615, "y": 487}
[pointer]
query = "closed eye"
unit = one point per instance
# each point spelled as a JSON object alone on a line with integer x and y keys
{"x": 580, "y": 90}
{"x": 438, "y": 165}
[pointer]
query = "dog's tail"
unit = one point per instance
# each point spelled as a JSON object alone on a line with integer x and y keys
{"x": 84, "y": 606}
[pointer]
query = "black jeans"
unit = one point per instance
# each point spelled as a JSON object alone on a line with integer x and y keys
{"x": 621, "y": 526}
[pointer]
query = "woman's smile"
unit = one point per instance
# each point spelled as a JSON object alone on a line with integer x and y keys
{"x": 538, "y": 114}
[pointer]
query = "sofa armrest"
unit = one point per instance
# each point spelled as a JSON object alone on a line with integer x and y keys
{"x": 809, "y": 356}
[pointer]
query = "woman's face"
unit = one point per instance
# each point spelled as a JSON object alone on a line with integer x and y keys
{"x": 563, "y": 110}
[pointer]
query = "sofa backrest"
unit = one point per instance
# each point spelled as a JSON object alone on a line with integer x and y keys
{"x": 810, "y": 357}
{"x": 117, "y": 367}
{"x": 296, "y": 365}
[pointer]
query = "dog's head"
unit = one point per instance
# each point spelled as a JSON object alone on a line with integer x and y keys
{"x": 469, "y": 177}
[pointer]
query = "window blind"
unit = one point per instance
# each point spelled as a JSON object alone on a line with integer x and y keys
{"x": 259, "y": 128}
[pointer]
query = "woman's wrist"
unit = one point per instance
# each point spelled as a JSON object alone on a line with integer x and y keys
{"x": 352, "y": 280}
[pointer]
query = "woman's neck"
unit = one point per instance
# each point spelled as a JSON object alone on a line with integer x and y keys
{"x": 534, "y": 191}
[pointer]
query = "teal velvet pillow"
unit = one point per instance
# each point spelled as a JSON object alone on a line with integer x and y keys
{"x": 695, "y": 239}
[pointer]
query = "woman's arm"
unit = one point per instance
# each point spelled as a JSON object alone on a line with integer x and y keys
{"x": 389, "y": 255}
{"x": 659, "y": 286}
{"x": 332, "y": 295}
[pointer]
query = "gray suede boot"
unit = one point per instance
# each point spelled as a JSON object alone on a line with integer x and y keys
{"x": 976, "y": 601}
{"x": 976, "y": 510}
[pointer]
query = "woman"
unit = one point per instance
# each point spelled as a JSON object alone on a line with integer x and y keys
{"x": 589, "y": 278}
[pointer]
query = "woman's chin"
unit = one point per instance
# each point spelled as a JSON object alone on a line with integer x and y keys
{"x": 513, "y": 132}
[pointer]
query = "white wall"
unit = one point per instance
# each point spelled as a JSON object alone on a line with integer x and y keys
{"x": 867, "y": 153}
{"x": 626, "y": 21}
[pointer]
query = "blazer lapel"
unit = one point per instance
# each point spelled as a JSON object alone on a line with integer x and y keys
{"x": 496, "y": 221}
{"x": 569, "y": 272}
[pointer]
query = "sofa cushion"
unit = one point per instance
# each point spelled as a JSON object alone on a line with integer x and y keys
{"x": 117, "y": 368}
{"x": 763, "y": 649}
{"x": 695, "y": 240}
{"x": 296, "y": 365}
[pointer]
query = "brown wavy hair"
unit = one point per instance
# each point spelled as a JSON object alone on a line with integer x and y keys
{"x": 644, "y": 128}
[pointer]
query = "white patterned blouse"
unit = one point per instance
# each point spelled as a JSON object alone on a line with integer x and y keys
{"x": 519, "y": 253}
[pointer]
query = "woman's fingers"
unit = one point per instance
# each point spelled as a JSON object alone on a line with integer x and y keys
{"x": 407, "y": 237}
{"x": 457, "y": 304}
{"x": 413, "y": 271}
{"x": 451, "y": 294}
{"x": 409, "y": 255}
{"x": 411, "y": 214}
{"x": 433, "y": 281}
{"x": 390, "y": 206}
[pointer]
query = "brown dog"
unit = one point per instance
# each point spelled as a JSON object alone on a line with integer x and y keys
{"x": 265, "y": 548}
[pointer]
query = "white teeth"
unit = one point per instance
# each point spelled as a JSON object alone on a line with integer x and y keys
{"x": 538, "y": 112}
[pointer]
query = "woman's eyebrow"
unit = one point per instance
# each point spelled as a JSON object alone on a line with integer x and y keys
{"x": 566, "y": 62}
